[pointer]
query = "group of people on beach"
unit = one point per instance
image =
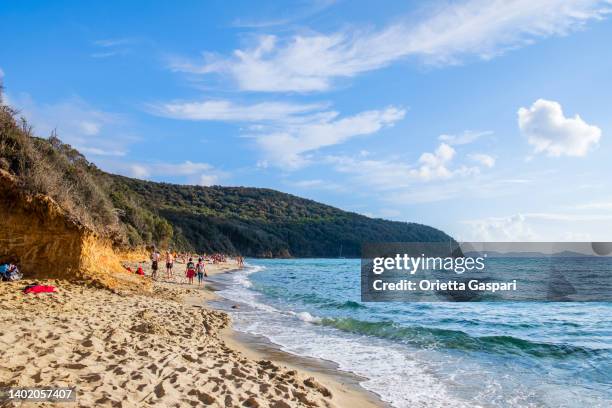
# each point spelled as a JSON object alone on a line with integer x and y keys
{"x": 192, "y": 269}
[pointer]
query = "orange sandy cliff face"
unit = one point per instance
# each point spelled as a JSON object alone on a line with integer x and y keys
{"x": 37, "y": 235}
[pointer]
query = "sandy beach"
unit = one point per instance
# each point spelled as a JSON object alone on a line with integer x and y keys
{"x": 162, "y": 347}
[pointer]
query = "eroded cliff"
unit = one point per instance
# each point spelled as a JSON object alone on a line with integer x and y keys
{"x": 37, "y": 235}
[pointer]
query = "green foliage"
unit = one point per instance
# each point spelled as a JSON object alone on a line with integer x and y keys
{"x": 50, "y": 167}
{"x": 249, "y": 221}
{"x": 263, "y": 222}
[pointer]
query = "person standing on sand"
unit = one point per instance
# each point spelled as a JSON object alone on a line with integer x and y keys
{"x": 190, "y": 271}
{"x": 169, "y": 263}
{"x": 200, "y": 269}
{"x": 154, "y": 263}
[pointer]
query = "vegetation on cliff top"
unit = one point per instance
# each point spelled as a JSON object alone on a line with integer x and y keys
{"x": 250, "y": 221}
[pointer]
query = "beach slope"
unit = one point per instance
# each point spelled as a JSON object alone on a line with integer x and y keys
{"x": 130, "y": 349}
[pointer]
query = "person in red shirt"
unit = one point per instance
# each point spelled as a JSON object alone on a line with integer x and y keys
{"x": 191, "y": 271}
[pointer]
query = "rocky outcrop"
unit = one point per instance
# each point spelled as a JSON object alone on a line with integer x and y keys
{"x": 37, "y": 235}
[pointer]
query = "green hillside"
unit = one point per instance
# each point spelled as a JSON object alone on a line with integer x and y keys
{"x": 263, "y": 222}
{"x": 250, "y": 221}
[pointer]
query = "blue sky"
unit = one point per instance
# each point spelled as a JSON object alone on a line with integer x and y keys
{"x": 487, "y": 119}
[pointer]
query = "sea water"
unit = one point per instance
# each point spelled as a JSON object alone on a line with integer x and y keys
{"x": 507, "y": 354}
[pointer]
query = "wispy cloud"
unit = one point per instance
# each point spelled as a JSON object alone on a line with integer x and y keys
{"x": 541, "y": 226}
{"x": 467, "y": 137}
{"x": 297, "y": 11}
{"x": 317, "y": 184}
{"x": 286, "y": 143}
{"x": 223, "y": 110}
{"x": 599, "y": 205}
{"x": 395, "y": 174}
{"x": 90, "y": 130}
{"x": 113, "y": 46}
{"x": 191, "y": 172}
{"x": 285, "y": 132}
{"x": 502, "y": 229}
{"x": 485, "y": 160}
{"x": 476, "y": 28}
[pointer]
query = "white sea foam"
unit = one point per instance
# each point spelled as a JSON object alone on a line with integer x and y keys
{"x": 305, "y": 317}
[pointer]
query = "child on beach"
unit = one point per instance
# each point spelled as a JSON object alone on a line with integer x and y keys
{"x": 190, "y": 271}
{"x": 140, "y": 271}
{"x": 201, "y": 270}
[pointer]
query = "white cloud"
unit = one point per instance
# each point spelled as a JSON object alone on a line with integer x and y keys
{"x": 1, "y": 74}
{"x": 483, "y": 159}
{"x": 209, "y": 180}
{"x": 90, "y": 128}
{"x": 394, "y": 174}
{"x": 138, "y": 171}
{"x": 502, "y": 229}
{"x": 308, "y": 183}
{"x": 434, "y": 165}
{"x": 288, "y": 142}
{"x": 101, "y": 152}
{"x": 113, "y": 42}
{"x": 224, "y": 110}
{"x": 601, "y": 205}
{"x": 480, "y": 28}
{"x": 466, "y": 137}
{"x": 549, "y": 131}
{"x": 288, "y": 15}
{"x": 390, "y": 173}
{"x": 180, "y": 169}
{"x": 317, "y": 184}
{"x": 286, "y": 132}
{"x": 202, "y": 174}
{"x": 539, "y": 226}
{"x": 570, "y": 217}
{"x": 113, "y": 46}
{"x": 91, "y": 131}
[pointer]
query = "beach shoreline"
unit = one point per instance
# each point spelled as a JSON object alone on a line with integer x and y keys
{"x": 344, "y": 385}
{"x": 168, "y": 347}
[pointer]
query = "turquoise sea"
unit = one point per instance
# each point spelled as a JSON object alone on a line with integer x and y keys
{"x": 501, "y": 354}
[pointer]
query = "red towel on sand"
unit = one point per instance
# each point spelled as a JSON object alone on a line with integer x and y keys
{"x": 39, "y": 289}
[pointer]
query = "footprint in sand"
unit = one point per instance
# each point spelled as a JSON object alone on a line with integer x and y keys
{"x": 75, "y": 366}
{"x": 159, "y": 390}
{"x": 92, "y": 378}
